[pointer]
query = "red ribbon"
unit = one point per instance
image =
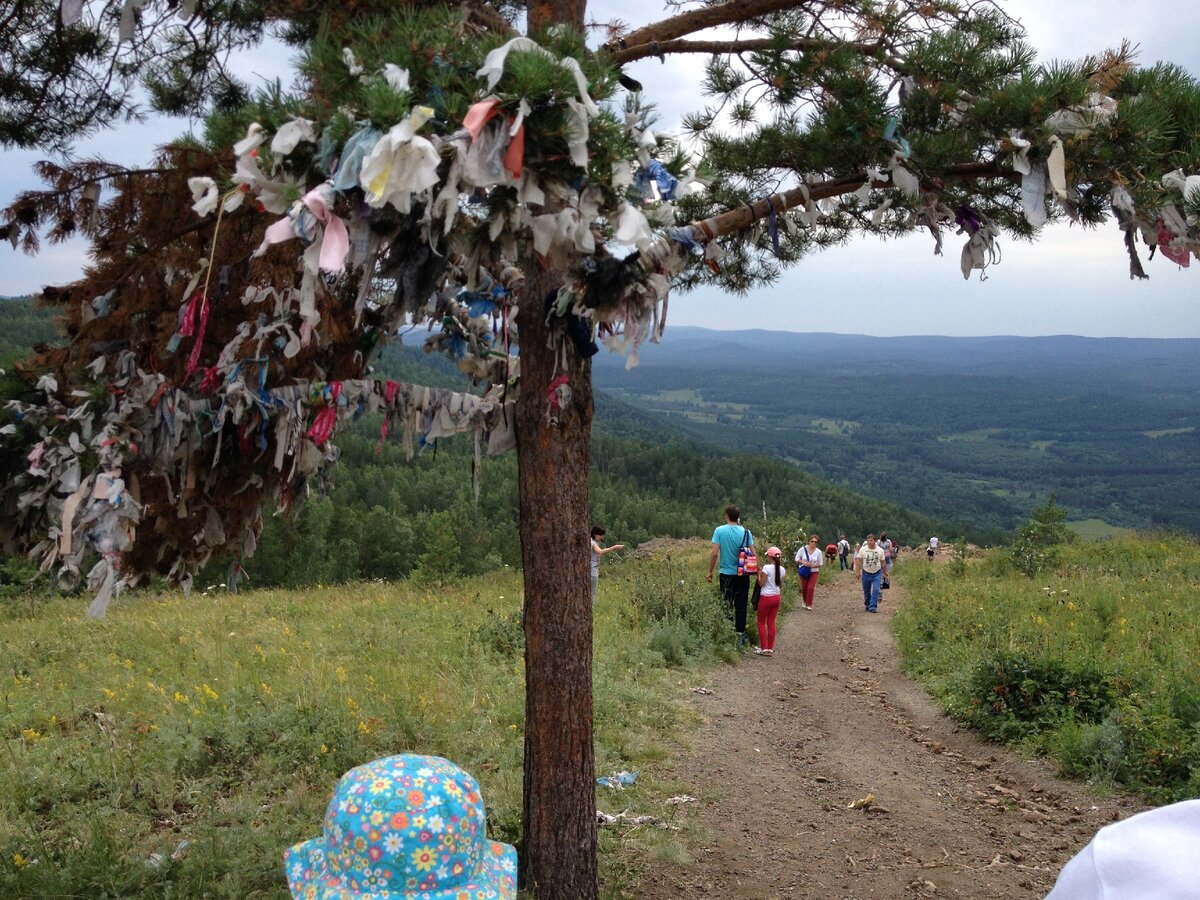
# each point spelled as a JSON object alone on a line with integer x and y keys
{"x": 321, "y": 429}
{"x": 390, "y": 389}
{"x": 195, "y": 322}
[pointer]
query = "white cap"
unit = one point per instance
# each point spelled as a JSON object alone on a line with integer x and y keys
{"x": 1154, "y": 855}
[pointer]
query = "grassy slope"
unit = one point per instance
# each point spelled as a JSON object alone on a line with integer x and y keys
{"x": 225, "y": 721}
{"x": 1093, "y": 663}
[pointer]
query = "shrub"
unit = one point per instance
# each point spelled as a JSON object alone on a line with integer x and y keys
{"x": 667, "y": 596}
{"x": 503, "y": 632}
{"x": 673, "y": 640}
{"x": 1092, "y": 751}
{"x": 1012, "y": 697}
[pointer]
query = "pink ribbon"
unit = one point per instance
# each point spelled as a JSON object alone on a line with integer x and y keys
{"x": 479, "y": 114}
{"x": 335, "y": 242}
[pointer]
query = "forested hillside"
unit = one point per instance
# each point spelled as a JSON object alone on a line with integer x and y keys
{"x": 382, "y": 516}
{"x": 978, "y": 429}
{"x": 22, "y": 325}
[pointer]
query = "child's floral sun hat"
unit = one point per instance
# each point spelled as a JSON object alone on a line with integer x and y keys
{"x": 404, "y": 828}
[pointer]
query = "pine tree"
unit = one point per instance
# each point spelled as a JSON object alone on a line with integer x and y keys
{"x": 433, "y": 165}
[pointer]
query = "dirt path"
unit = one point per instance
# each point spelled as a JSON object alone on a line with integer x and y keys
{"x": 788, "y": 742}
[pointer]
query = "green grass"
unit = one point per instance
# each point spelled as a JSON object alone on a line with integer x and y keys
{"x": 1098, "y": 530}
{"x": 975, "y": 435}
{"x": 1093, "y": 664}
{"x": 1166, "y": 432}
{"x": 692, "y": 397}
{"x": 225, "y": 721}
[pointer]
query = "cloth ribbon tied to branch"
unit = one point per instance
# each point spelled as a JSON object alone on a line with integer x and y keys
{"x": 335, "y": 240}
{"x": 325, "y": 420}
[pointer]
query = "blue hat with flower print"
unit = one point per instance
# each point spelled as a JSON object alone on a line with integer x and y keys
{"x": 404, "y": 828}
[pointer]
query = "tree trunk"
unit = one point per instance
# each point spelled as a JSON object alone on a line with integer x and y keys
{"x": 558, "y": 860}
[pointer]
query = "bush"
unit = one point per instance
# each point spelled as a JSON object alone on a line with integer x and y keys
{"x": 1091, "y": 751}
{"x": 503, "y": 632}
{"x": 674, "y": 641}
{"x": 1012, "y": 697}
{"x": 19, "y": 578}
{"x": 668, "y": 599}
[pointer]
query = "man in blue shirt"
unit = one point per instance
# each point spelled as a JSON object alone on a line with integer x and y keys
{"x": 727, "y": 542}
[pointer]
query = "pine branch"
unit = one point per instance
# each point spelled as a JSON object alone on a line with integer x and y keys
{"x": 735, "y": 220}
{"x": 697, "y": 20}
{"x": 629, "y": 53}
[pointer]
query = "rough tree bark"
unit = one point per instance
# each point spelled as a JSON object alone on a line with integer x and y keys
{"x": 558, "y": 859}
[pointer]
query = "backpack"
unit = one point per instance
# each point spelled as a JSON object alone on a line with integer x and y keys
{"x": 747, "y": 558}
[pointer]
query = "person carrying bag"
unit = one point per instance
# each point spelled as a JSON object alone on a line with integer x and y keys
{"x": 809, "y": 558}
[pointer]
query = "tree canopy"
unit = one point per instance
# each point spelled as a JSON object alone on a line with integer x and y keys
{"x": 428, "y": 158}
{"x": 433, "y": 165}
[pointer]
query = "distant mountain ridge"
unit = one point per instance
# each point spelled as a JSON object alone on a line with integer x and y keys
{"x": 761, "y": 350}
{"x": 969, "y": 428}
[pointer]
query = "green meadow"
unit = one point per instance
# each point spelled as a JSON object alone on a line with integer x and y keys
{"x": 1092, "y": 661}
{"x": 225, "y": 721}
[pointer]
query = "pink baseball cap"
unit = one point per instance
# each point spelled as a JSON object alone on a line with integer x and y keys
{"x": 772, "y": 552}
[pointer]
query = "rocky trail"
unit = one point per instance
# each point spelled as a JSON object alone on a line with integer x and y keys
{"x": 822, "y": 772}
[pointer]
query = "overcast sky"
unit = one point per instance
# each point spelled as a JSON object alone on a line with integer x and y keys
{"x": 1070, "y": 282}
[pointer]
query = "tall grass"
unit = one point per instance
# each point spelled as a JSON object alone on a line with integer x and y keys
{"x": 1092, "y": 663}
{"x": 224, "y": 722}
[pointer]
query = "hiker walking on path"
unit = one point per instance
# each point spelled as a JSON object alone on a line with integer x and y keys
{"x": 809, "y": 558}
{"x": 933, "y": 544}
{"x": 770, "y": 579}
{"x": 728, "y": 540}
{"x": 868, "y": 565}
{"x": 843, "y": 549}
{"x": 598, "y": 551}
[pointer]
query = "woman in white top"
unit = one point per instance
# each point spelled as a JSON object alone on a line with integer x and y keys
{"x": 810, "y": 559}
{"x": 770, "y": 577}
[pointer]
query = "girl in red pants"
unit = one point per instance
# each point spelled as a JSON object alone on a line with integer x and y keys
{"x": 770, "y": 577}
